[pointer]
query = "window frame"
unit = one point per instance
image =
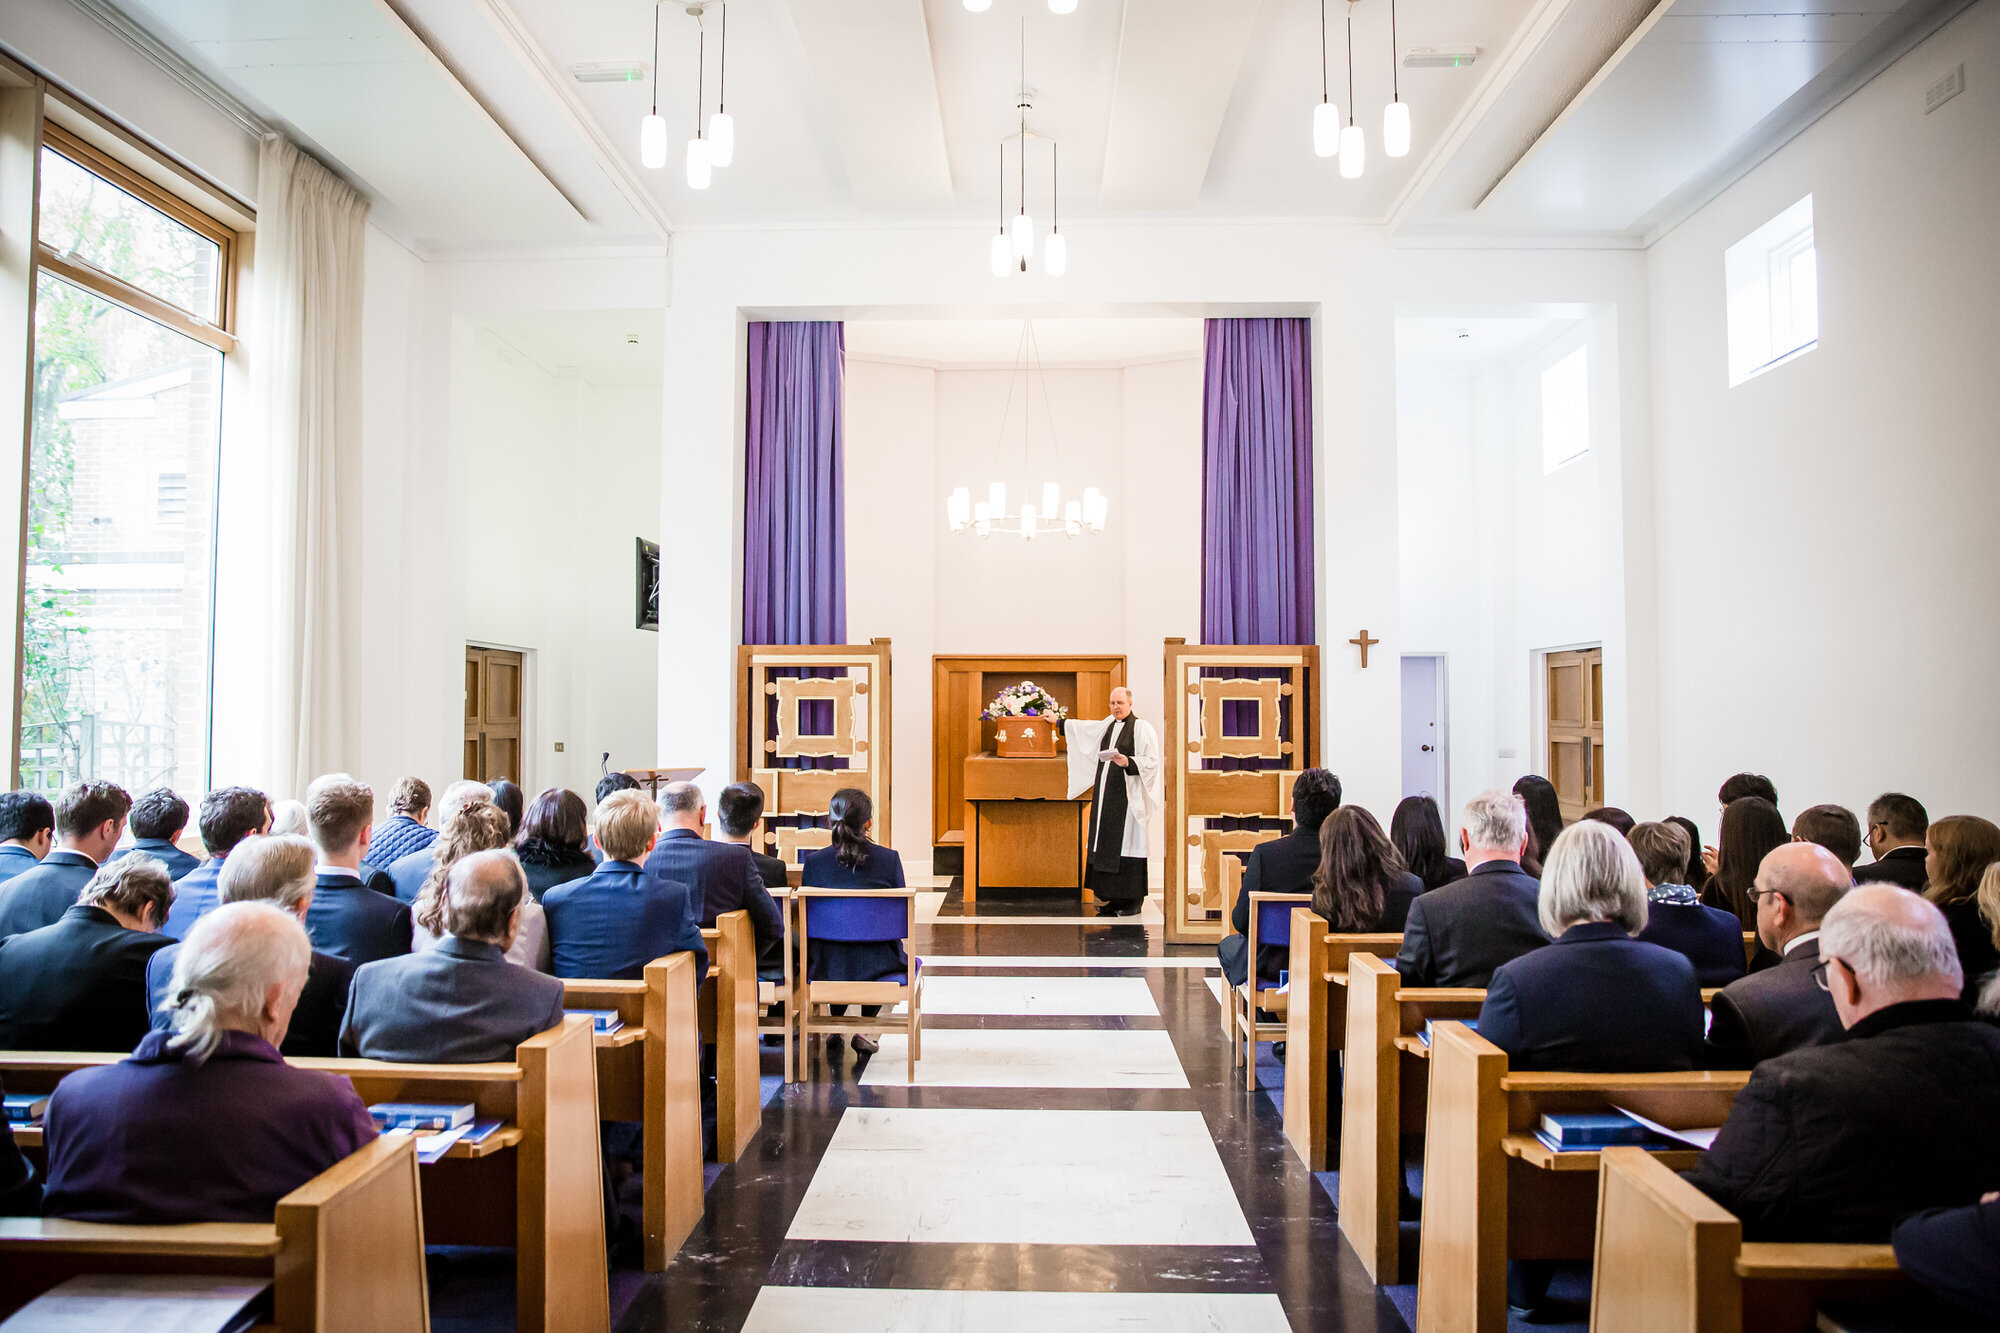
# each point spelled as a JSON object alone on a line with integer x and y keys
{"x": 1757, "y": 270}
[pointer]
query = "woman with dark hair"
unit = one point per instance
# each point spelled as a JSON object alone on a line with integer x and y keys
{"x": 1960, "y": 848}
{"x": 1697, "y": 871}
{"x": 853, "y": 862}
{"x": 1417, "y": 830}
{"x": 1751, "y": 828}
{"x": 474, "y": 828}
{"x": 1545, "y": 819}
{"x": 1361, "y": 887}
{"x": 510, "y": 799}
{"x": 1282, "y": 865}
{"x": 553, "y": 841}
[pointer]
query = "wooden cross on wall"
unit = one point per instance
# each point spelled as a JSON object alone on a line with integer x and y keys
{"x": 1364, "y": 643}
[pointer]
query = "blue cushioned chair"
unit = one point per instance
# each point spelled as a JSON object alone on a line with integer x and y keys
{"x": 1270, "y": 924}
{"x": 863, "y": 916}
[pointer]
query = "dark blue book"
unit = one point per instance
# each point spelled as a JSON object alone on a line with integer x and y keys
{"x": 1472, "y": 1023}
{"x": 1569, "y": 1130}
{"x": 25, "y": 1108}
{"x": 421, "y": 1117}
{"x": 604, "y": 1020}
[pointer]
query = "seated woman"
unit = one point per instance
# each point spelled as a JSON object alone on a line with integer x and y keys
{"x": 1596, "y": 1000}
{"x": 1417, "y": 830}
{"x": 206, "y": 1123}
{"x": 1711, "y": 938}
{"x": 472, "y": 829}
{"x": 1282, "y": 865}
{"x": 854, "y": 862}
{"x": 554, "y": 841}
{"x": 1361, "y": 887}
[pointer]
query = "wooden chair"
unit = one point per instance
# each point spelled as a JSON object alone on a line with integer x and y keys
{"x": 1316, "y": 1029}
{"x": 345, "y": 1250}
{"x": 1384, "y": 1096}
{"x": 1669, "y": 1259}
{"x": 778, "y": 1001}
{"x": 865, "y": 916}
{"x": 650, "y": 1071}
{"x": 1270, "y": 924}
{"x": 729, "y": 1023}
{"x": 1493, "y": 1192}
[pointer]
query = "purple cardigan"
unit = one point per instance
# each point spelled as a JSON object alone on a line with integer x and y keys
{"x": 156, "y": 1138}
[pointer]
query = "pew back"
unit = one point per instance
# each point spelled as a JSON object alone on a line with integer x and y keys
{"x": 729, "y": 1021}
{"x": 1316, "y": 1030}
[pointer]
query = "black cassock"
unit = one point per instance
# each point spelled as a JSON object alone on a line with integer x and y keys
{"x": 1110, "y": 874}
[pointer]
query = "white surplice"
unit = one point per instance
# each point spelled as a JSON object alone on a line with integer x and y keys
{"x": 1142, "y": 778}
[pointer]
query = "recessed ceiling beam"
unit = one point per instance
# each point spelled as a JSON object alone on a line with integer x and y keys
{"x": 872, "y": 62}
{"x": 1177, "y": 66}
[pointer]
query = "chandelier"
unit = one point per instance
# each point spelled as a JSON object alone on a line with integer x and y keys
{"x": 1053, "y": 514}
{"x": 1013, "y": 244}
{"x": 716, "y": 147}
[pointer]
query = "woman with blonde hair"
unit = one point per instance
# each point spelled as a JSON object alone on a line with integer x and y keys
{"x": 1959, "y": 852}
{"x": 475, "y": 828}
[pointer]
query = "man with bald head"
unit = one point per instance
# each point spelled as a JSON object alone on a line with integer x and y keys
{"x": 719, "y": 876}
{"x": 1117, "y": 758}
{"x": 1838, "y": 1142}
{"x": 1783, "y": 1007}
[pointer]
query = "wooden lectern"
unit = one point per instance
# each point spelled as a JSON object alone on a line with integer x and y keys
{"x": 1022, "y": 830}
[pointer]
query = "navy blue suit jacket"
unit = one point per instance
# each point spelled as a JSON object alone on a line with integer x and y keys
{"x": 178, "y": 862}
{"x": 77, "y": 985}
{"x": 610, "y": 925}
{"x": 315, "y": 1028}
{"x": 196, "y": 893}
{"x": 38, "y": 897}
{"x": 1595, "y": 1001}
{"x": 408, "y": 874}
{"x": 722, "y": 877}
{"x": 1708, "y": 937}
{"x": 838, "y": 960}
{"x": 15, "y": 858}
{"x": 1458, "y": 935}
{"x": 350, "y": 921}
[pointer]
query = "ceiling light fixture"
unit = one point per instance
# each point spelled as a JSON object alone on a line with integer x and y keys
{"x": 1326, "y": 116}
{"x": 699, "y": 164}
{"x": 721, "y": 125}
{"x": 1072, "y": 518}
{"x": 1395, "y": 116}
{"x": 1353, "y": 149}
{"x": 607, "y": 71}
{"x": 1062, "y": 6}
{"x": 1014, "y": 245}
{"x": 978, "y": 6}
{"x": 653, "y": 129}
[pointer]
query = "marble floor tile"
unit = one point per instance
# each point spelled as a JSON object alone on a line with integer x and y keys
{"x": 1021, "y": 1177}
{"x": 1215, "y": 988}
{"x": 1030, "y": 1058}
{"x": 816, "y": 1309}
{"x": 1107, "y": 997}
{"x": 928, "y": 903}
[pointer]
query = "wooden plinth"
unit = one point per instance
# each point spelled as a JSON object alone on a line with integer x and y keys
{"x": 1021, "y": 828}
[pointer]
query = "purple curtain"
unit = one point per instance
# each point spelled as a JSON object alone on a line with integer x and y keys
{"x": 794, "y": 547}
{"x": 1257, "y": 483}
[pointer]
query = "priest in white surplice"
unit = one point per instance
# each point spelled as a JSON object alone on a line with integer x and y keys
{"x": 1118, "y": 756}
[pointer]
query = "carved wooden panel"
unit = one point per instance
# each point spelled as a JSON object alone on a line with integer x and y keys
{"x": 849, "y": 734}
{"x": 782, "y": 687}
{"x": 1210, "y": 742}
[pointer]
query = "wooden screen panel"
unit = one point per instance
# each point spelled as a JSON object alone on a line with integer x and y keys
{"x": 493, "y": 709}
{"x": 1576, "y": 729}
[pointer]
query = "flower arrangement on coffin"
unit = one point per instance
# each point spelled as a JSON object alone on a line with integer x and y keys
{"x": 1029, "y": 720}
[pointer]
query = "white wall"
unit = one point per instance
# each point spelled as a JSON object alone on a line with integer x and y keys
{"x": 1826, "y": 538}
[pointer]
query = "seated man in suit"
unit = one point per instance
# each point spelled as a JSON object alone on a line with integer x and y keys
{"x": 1782, "y": 1007}
{"x": 459, "y": 1001}
{"x": 1709, "y": 937}
{"x": 607, "y": 786}
{"x": 612, "y": 924}
{"x": 739, "y": 812}
{"x": 158, "y": 820}
{"x": 409, "y": 871}
{"x": 404, "y": 831}
{"x": 1954, "y": 1253}
{"x": 1282, "y": 865}
{"x": 347, "y": 919}
{"x": 229, "y": 815}
{"x": 90, "y": 818}
{"x": 80, "y": 984}
{"x": 208, "y": 1124}
{"x": 721, "y": 874}
{"x": 278, "y": 871}
{"x": 27, "y": 831}
{"x": 1457, "y": 935}
{"x": 1833, "y": 827}
{"x": 1839, "y": 1142}
{"x": 1896, "y": 828}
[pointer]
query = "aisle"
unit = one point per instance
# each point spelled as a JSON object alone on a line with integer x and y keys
{"x": 1077, "y": 1154}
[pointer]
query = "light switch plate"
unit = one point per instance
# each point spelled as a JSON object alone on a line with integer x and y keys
{"x": 558, "y": 747}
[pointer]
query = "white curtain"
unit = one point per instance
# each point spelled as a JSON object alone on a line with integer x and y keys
{"x": 306, "y": 307}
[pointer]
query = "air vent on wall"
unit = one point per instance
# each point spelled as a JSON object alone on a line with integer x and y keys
{"x": 1439, "y": 57}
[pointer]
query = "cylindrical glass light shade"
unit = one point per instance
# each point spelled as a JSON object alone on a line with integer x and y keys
{"x": 721, "y": 139}
{"x": 978, "y": 6}
{"x": 1028, "y": 522}
{"x": 1326, "y": 129}
{"x": 1055, "y": 255}
{"x": 996, "y": 499}
{"x": 1051, "y": 500}
{"x": 1021, "y": 233}
{"x": 1003, "y": 257}
{"x": 1073, "y": 517}
{"x": 698, "y": 164}
{"x": 1396, "y": 129}
{"x": 1353, "y": 152}
{"x": 982, "y": 519}
{"x": 1062, "y": 6}
{"x": 653, "y": 141}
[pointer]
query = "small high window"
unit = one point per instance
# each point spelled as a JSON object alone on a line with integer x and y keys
{"x": 1566, "y": 410}
{"x": 1773, "y": 285}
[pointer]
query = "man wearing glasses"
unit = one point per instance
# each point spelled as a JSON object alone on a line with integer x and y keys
{"x": 1837, "y": 1142}
{"x": 1780, "y": 1009}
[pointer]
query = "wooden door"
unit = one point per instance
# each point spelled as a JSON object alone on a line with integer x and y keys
{"x": 1576, "y": 729}
{"x": 492, "y": 714}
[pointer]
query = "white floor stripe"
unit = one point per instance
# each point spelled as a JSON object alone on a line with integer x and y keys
{"x": 1030, "y": 1058}
{"x": 817, "y": 1309}
{"x": 1055, "y": 997}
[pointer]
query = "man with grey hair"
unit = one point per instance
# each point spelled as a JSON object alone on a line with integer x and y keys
{"x": 79, "y": 984}
{"x": 1837, "y": 1142}
{"x": 459, "y": 1001}
{"x": 408, "y": 873}
{"x": 1459, "y": 934}
{"x": 1783, "y": 1007}
{"x": 720, "y": 876}
{"x": 207, "y": 1123}
{"x": 278, "y": 871}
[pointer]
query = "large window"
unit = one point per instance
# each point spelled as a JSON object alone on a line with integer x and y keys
{"x": 130, "y": 305}
{"x": 1773, "y": 291}
{"x": 1566, "y": 410}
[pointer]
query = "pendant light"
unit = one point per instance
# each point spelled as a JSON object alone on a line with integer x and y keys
{"x": 721, "y": 125}
{"x": 1055, "y": 254}
{"x": 653, "y": 129}
{"x": 1326, "y": 116}
{"x": 1353, "y": 151}
{"x": 1021, "y": 228}
{"x": 978, "y": 6}
{"x": 1395, "y": 116}
{"x": 1062, "y": 6}
{"x": 698, "y": 164}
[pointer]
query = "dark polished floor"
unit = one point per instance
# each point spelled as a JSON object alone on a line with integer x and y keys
{"x": 748, "y": 1240}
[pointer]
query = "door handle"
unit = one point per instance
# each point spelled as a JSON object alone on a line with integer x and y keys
{"x": 1426, "y": 749}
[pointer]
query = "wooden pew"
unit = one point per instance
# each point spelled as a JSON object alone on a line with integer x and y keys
{"x": 1385, "y": 1096}
{"x": 1316, "y": 1029}
{"x": 1493, "y": 1192}
{"x": 650, "y": 1071}
{"x": 1669, "y": 1259}
{"x": 729, "y": 1022}
{"x": 345, "y": 1250}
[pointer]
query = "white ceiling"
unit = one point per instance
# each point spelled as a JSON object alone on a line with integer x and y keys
{"x": 605, "y": 347}
{"x": 1590, "y": 120}
{"x": 968, "y": 343}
